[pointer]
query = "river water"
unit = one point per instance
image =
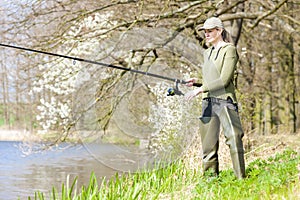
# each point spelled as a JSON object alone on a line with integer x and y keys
{"x": 24, "y": 171}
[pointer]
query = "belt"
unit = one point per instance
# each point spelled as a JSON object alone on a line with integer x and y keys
{"x": 217, "y": 100}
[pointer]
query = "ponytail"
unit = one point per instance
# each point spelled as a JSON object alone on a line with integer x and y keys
{"x": 226, "y": 36}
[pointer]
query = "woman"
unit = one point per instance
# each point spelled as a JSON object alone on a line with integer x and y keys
{"x": 219, "y": 105}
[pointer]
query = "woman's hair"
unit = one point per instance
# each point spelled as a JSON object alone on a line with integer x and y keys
{"x": 226, "y": 36}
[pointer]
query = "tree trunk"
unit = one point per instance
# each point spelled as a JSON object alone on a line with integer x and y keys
{"x": 292, "y": 89}
{"x": 5, "y": 96}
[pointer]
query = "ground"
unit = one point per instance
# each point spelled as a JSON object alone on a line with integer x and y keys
{"x": 263, "y": 146}
{"x": 256, "y": 146}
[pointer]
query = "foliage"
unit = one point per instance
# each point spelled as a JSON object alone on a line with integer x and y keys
{"x": 274, "y": 178}
{"x": 62, "y": 78}
{"x": 169, "y": 115}
{"x": 265, "y": 75}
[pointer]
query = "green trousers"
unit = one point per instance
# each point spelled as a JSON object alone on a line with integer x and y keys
{"x": 214, "y": 116}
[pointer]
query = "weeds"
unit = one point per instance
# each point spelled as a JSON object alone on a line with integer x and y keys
{"x": 274, "y": 178}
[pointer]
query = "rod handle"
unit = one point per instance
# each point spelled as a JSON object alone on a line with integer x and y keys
{"x": 194, "y": 84}
{"x": 197, "y": 84}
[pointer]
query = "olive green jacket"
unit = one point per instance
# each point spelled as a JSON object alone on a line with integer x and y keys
{"x": 218, "y": 72}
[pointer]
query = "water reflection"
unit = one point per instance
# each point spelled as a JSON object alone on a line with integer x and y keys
{"x": 21, "y": 175}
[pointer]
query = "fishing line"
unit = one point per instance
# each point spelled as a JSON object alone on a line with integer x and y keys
{"x": 130, "y": 122}
{"x": 103, "y": 64}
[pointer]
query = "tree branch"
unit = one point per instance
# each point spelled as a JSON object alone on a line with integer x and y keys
{"x": 226, "y": 9}
{"x": 270, "y": 12}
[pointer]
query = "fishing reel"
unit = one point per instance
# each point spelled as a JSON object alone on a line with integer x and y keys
{"x": 171, "y": 92}
{"x": 174, "y": 91}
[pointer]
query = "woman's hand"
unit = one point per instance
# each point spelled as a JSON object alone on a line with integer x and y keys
{"x": 190, "y": 82}
{"x": 190, "y": 95}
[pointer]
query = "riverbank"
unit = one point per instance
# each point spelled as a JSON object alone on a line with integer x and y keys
{"x": 184, "y": 180}
{"x": 277, "y": 177}
{"x": 17, "y": 135}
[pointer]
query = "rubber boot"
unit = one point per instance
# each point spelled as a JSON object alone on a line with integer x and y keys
{"x": 209, "y": 130}
{"x": 211, "y": 168}
{"x": 238, "y": 164}
{"x": 233, "y": 132}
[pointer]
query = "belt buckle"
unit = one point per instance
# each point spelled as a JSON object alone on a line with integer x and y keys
{"x": 208, "y": 99}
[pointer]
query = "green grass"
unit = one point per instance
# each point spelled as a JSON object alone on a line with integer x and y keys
{"x": 274, "y": 178}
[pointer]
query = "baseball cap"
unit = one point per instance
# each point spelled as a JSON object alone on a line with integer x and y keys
{"x": 212, "y": 22}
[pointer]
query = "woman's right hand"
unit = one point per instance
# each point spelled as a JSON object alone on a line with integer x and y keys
{"x": 190, "y": 82}
{"x": 191, "y": 94}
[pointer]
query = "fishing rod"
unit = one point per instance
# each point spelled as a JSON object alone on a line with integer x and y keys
{"x": 171, "y": 91}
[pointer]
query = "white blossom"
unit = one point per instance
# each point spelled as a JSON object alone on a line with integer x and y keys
{"x": 167, "y": 115}
{"x": 60, "y": 79}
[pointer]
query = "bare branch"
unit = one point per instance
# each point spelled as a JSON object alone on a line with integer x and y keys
{"x": 230, "y": 7}
{"x": 270, "y": 12}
